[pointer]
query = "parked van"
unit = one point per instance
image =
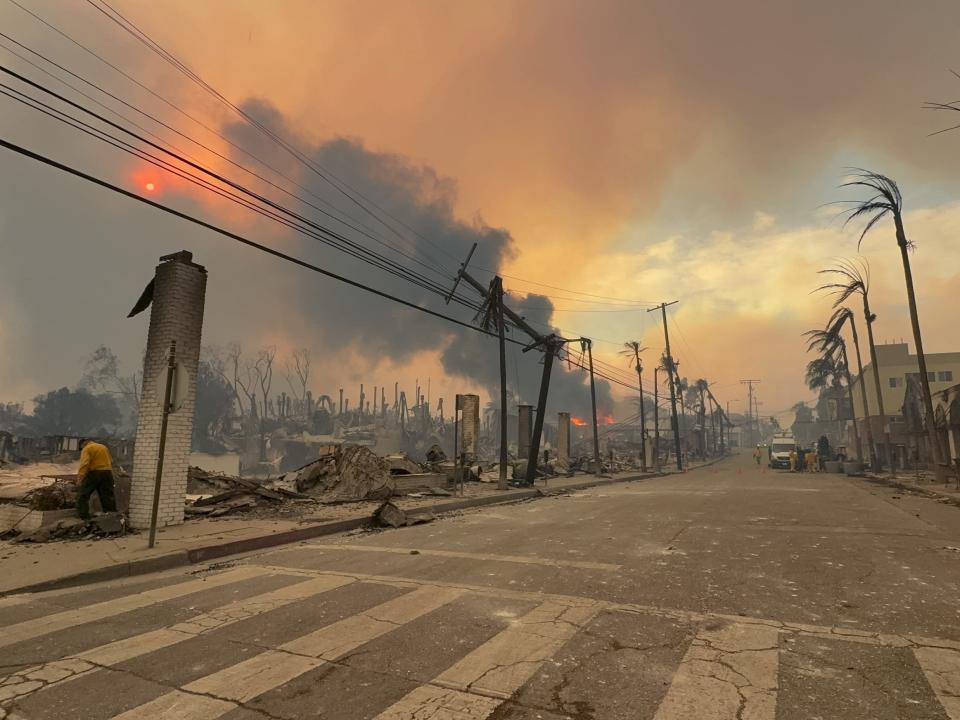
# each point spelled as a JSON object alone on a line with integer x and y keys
{"x": 780, "y": 446}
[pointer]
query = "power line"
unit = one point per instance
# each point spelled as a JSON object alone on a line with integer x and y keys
{"x": 251, "y": 243}
{"x": 234, "y": 236}
{"x": 174, "y": 107}
{"x": 380, "y": 261}
{"x": 111, "y": 140}
{"x": 155, "y": 47}
{"x": 333, "y": 213}
{"x": 567, "y": 290}
{"x": 322, "y": 172}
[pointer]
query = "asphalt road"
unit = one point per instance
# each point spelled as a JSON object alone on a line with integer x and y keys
{"x": 731, "y": 592}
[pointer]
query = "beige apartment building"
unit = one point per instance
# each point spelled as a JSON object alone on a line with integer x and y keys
{"x": 896, "y": 364}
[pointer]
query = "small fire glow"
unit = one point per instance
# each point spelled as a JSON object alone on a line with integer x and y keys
{"x": 601, "y": 420}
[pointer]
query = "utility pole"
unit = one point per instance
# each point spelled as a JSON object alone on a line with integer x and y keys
{"x": 550, "y": 344}
{"x": 662, "y": 307}
{"x": 496, "y": 288}
{"x": 588, "y": 343}
{"x": 749, "y": 383}
{"x": 656, "y": 419}
{"x": 643, "y": 415}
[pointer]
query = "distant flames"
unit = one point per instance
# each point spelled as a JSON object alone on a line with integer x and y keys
{"x": 602, "y": 420}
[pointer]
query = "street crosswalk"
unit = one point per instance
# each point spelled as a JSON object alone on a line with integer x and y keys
{"x": 390, "y": 648}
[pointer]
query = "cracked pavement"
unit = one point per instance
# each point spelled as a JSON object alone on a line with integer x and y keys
{"x": 729, "y": 592}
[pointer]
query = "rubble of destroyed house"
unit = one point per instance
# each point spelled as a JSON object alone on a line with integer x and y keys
{"x": 305, "y": 455}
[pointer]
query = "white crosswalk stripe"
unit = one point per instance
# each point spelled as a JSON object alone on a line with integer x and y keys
{"x": 728, "y": 673}
{"x": 941, "y": 666}
{"x": 35, "y": 678}
{"x": 246, "y": 680}
{"x": 57, "y": 622}
{"x": 730, "y": 670}
{"x": 496, "y": 669}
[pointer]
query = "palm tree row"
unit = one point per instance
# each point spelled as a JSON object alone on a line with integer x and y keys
{"x": 852, "y": 278}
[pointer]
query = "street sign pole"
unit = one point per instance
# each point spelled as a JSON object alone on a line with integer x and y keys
{"x": 168, "y": 387}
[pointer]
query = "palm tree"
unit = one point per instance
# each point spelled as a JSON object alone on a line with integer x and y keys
{"x": 887, "y": 200}
{"x": 840, "y": 317}
{"x": 631, "y": 350}
{"x": 824, "y": 372}
{"x": 833, "y": 349}
{"x": 854, "y": 279}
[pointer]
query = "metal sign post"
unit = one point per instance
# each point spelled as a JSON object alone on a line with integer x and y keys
{"x": 167, "y": 392}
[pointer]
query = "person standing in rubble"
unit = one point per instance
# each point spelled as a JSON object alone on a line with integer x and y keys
{"x": 95, "y": 475}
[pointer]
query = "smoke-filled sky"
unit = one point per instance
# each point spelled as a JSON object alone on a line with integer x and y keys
{"x": 631, "y": 150}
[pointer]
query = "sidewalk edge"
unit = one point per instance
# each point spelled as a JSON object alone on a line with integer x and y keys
{"x": 192, "y": 556}
{"x": 927, "y": 492}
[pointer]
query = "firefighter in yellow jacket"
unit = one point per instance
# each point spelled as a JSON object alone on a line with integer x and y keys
{"x": 95, "y": 475}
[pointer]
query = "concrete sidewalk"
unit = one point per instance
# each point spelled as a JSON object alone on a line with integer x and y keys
{"x": 922, "y": 483}
{"x": 30, "y": 568}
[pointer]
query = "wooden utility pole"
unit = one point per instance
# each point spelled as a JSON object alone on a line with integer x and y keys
{"x": 643, "y": 414}
{"x": 497, "y": 290}
{"x": 656, "y": 419}
{"x": 749, "y": 383}
{"x": 662, "y": 307}
{"x": 550, "y": 344}
{"x": 588, "y": 343}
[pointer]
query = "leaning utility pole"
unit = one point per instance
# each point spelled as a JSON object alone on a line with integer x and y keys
{"x": 550, "y": 344}
{"x": 724, "y": 417}
{"x": 749, "y": 383}
{"x": 662, "y": 307}
{"x": 588, "y": 343}
{"x": 496, "y": 288}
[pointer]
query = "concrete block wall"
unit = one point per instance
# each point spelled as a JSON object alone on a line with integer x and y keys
{"x": 524, "y": 430}
{"x": 563, "y": 437}
{"x": 470, "y": 426}
{"x": 176, "y": 314}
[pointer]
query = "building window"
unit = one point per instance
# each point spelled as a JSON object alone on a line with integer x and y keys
{"x": 896, "y": 382}
{"x": 932, "y": 376}
{"x": 945, "y": 376}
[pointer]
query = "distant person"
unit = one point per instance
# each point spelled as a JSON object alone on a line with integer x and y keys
{"x": 793, "y": 459}
{"x": 823, "y": 451}
{"x": 811, "y": 461}
{"x": 95, "y": 475}
{"x": 757, "y": 454}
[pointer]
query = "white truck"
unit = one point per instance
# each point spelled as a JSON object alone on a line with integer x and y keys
{"x": 780, "y": 446}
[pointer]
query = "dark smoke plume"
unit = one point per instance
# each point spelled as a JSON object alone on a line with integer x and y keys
{"x": 416, "y": 207}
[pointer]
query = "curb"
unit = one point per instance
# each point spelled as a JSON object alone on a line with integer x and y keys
{"x": 182, "y": 558}
{"x": 926, "y": 492}
{"x": 111, "y": 572}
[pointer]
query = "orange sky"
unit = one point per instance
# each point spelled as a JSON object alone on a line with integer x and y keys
{"x": 635, "y": 150}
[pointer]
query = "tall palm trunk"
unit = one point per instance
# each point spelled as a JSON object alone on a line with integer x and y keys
{"x": 918, "y": 341}
{"x": 887, "y": 445}
{"x": 863, "y": 392}
{"x": 853, "y": 410}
